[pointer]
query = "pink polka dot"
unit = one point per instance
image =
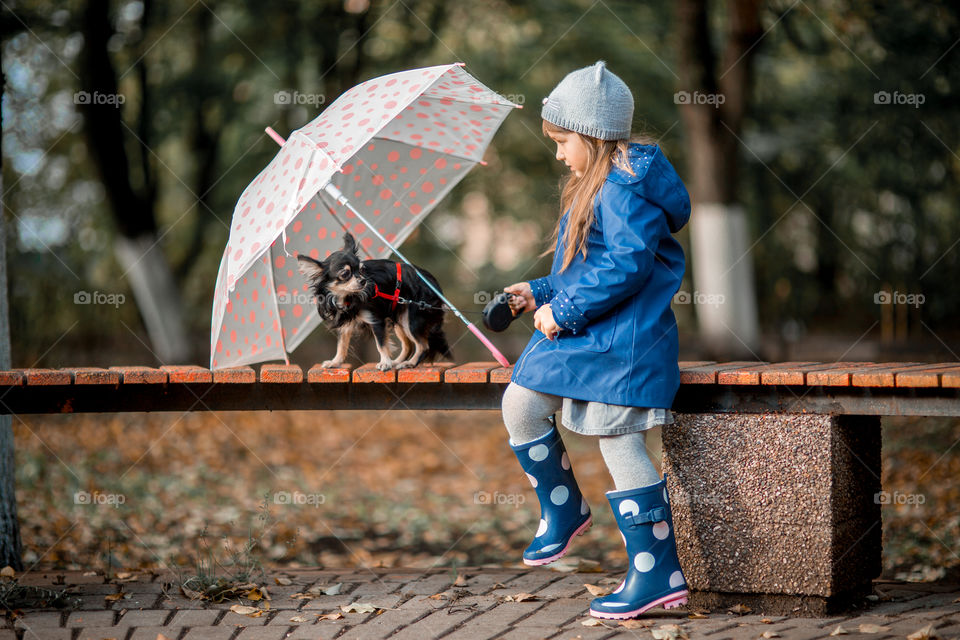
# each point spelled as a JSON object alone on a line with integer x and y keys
{"x": 393, "y": 156}
{"x": 279, "y": 261}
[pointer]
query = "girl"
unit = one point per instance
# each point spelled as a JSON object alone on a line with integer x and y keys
{"x": 605, "y": 348}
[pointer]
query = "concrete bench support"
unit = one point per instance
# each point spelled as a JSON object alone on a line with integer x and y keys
{"x": 776, "y": 511}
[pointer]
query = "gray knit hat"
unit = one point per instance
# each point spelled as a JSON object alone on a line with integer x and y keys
{"x": 592, "y": 101}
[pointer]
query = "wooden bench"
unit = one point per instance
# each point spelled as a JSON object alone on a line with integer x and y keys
{"x": 773, "y": 469}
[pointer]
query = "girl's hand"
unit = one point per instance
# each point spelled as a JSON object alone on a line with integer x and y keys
{"x": 543, "y": 320}
{"x": 522, "y": 300}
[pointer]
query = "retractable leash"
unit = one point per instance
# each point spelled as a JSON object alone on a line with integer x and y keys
{"x": 331, "y": 190}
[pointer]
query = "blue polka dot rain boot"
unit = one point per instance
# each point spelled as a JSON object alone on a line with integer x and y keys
{"x": 564, "y": 513}
{"x": 654, "y": 577}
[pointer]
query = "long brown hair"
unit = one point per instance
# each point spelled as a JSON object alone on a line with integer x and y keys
{"x": 577, "y": 194}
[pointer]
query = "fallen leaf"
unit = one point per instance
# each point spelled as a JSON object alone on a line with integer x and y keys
{"x": 740, "y": 609}
{"x": 358, "y": 607}
{"x": 283, "y": 582}
{"x": 591, "y": 622}
{"x": 770, "y": 634}
{"x": 333, "y": 589}
{"x": 125, "y": 575}
{"x": 437, "y": 596}
{"x": 872, "y": 628}
{"x": 86, "y": 573}
{"x": 299, "y": 619}
{"x": 250, "y": 612}
{"x": 330, "y": 616}
{"x": 669, "y": 632}
{"x": 190, "y": 593}
{"x": 925, "y": 633}
{"x": 597, "y": 590}
{"x": 255, "y": 595}
{"x": 461, "y": 580}
{"x": 839, "y": 631}
{"x": 696, "y": 615}
{"x": 521, "y": 597}
{"x": 636, "y": 624}
{"x": 160, "y": 636}
{"x": 766, "y": 620}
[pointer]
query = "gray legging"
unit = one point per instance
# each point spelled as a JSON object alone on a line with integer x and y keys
{"x": 526, "y": 415}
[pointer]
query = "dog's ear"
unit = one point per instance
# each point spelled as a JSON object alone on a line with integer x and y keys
{"x": 311, "y": 269}
{"x": 350, "y": 244}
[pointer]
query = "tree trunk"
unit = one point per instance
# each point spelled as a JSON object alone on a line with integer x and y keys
{"x": 712, "y": 107}
{"x": 10, "y": 544}
{"x": 133, "y": 210}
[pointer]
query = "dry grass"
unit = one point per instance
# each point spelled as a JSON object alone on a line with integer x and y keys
{"x": 365, "y": 488}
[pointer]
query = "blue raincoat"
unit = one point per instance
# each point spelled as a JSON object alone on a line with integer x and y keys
{"x": 618, "y": 338}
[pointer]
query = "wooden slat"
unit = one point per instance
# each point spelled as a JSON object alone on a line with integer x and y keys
{"x": 93, "y": 375}
{"x": 707, "y": 374}
{"x": 281, "y": 373}
{"x": 926, "y": 377}
{"x": 744, "y": 376}
{"x": 424, "y": 373}
{"x": 141, "y": 375}
{"x": 188, "y": 374}
{"x": 839, "y": 374}
{"x": 369, "y": 373}
{"x": 950, "y": 379}
{"x": 318, "y": 374}
{"x": 501, "y": 374}
{"x": 795, "y": 373}
{"x": 471, "y": 372}
{"x": 883, "y": 376}
{"x": 12, "y": 378}
{"x": 235, "y": 375}
{"x": 43, "y": 377}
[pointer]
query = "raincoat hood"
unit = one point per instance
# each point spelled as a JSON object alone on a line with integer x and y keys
{"x": 656, "y": 180}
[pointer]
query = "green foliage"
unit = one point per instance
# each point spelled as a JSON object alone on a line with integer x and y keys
{"x": 846, "y": 197}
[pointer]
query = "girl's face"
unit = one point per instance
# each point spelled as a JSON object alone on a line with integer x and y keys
{"x": 571, "y": 150}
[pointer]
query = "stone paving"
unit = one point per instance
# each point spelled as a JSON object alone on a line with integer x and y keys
{"x": 417, "y": 604}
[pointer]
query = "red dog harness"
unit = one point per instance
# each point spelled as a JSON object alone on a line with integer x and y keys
{"x": 396, "y": 293}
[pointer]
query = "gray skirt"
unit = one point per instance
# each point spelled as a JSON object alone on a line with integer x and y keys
{"x": 602, "y": 419}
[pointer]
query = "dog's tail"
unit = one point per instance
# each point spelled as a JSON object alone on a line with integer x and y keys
{"x": 437, "y": 344}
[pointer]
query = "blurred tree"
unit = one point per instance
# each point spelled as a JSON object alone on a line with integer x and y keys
{"x": 137, "y": 246}
{"x": 713, "y": 102}
{"x": 10, "y": 544}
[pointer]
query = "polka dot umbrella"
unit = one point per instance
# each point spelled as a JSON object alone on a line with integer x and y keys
{"x": 374, "y": 163}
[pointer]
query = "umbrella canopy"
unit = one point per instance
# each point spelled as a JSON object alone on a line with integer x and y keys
{"x": 393, "y": 146}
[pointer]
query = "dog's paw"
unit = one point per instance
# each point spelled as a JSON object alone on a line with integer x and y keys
{"x": 406, "y": 364}
{"x": 330, "y": 364}
{"x": 385, "y": 365}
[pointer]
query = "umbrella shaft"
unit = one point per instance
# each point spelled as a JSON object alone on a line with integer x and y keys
{"x": 337, "y": 195}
